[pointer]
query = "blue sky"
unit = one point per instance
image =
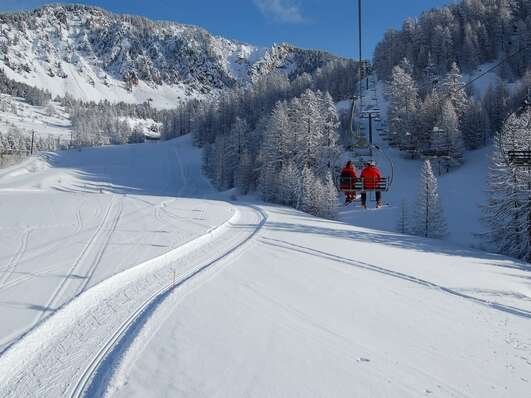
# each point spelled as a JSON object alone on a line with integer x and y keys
{"x": 323, "y": 24}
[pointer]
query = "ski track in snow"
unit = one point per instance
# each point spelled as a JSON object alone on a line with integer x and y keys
{"x": 78, "y": 261}
{"x": 101, "y": 252}
{"x": 12, "y": 265}
{"x": 406, "y": 277}
{"x": 93, "y": 380}
{"x": 106, "y": 310}
{"x": 92, "y": 339}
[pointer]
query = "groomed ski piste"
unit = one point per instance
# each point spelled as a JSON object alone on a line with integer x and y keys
{"x": 124, "y": 274}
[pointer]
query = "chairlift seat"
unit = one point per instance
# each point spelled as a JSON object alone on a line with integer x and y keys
{"x": 358, "y": 184}
{"x": 520, "y": 158}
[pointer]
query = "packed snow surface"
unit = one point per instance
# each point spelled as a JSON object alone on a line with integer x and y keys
{"x": 169, "y": 293}
{"x": 73, "y": 219}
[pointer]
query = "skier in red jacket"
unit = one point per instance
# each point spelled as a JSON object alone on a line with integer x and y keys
{"x": 371, "y": 177}
{"x": 347, "y": 182}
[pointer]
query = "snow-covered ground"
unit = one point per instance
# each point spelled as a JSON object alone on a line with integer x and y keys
{"x": 73, "y": 219}
{"x": 462, "y": 191}
{"x": 169, "y": 293}
{"x": 44, "y": 121}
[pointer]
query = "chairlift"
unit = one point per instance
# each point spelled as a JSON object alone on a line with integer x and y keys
{"x": 359, "y": 185}
{"x": 518, "y": 157}
{"x": 363, "y": 149}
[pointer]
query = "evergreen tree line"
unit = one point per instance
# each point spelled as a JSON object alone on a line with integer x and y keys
{"x": 276, "y": 137}
{"x": 16, "y": 140}
{"x": 32, "y": 95}
{"x": 236, "y": 128}
{"x": 99, "y": 123}
{"x": 446, "y": 120}
{"x": 470, "y": 33}
{"x": 507, "y": 214}
{"x": 288, "y": 158}
{"x": 207, "y": 119}
{"x": 104, "y": 122}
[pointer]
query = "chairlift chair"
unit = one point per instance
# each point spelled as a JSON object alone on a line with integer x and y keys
{"x": 359, "y": 142}
{"x": 358, "y": 185}
{"x": 520, "y": 158}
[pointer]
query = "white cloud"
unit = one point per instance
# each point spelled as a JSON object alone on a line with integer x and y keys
{"x": 288, "y": 11}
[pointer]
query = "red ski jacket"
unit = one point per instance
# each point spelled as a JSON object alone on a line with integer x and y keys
{"x": 371, "y": 177}
{"x": 348, "y": 178}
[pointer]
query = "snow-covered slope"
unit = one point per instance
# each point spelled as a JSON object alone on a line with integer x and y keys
{"x": 69, "y": 221}
{"x": 51, "y": 120}
{"x": 244, "y": 299}
{"x": 462, "y": 191}
{"x": 92, "y": 54}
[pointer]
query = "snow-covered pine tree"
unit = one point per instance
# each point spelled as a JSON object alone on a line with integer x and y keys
{"x": 475, "y": 126}
{"x": 300, "y": 141}
{"x": 449, "y": 122}
{"x": 427, "y": 119}
{"x": 496, "y": 104}
{"x": 507, "y": 213}
{"x": 403, "y": 219}
{"x": 429, "y": 220}
{"x": 403, "y": 105}
{"x": 234, "y": 145}
{"x": 3, "y": 148}
{"x": 451, "y": 88}
{"x": 307, "y": 122}
{"x": 308, "y": 199}
{"x": 245, "y": 176}
{"x": 329, "y": 198}
{"x": 289, "y": 184}
{"x": 430, "y": 76}
{"x": 219, "y": 171}
{"x": 272, "y": 150}
{"x": 329, "y": 137}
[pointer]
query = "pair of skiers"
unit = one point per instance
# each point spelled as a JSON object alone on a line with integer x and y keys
{"x": 370, "y": 176}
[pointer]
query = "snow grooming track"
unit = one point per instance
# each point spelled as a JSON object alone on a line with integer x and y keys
{"x": 12, "y": 265}
{"x": 522, "y": 313}
{"x": 102, "y": 250}
{"x": 52, "y": 359}
{"x": 77, "y": 262}
{"x": 93, "y": 385}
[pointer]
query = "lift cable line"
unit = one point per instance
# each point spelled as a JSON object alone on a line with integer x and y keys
{"x": 493, "y": 67}
{"x": 497, "y": 65}
{"x": 359, "y": 142}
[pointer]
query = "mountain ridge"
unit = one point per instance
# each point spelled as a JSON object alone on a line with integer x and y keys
{"x": 88, "y": 52}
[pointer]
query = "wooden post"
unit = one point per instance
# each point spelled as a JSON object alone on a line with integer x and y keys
{"x": 32, "y": 140}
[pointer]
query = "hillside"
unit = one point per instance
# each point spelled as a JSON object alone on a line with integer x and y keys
{"x": 92, "y": 54}
{"x": 469, "y": 33}
{"x": 126, "y": 280}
